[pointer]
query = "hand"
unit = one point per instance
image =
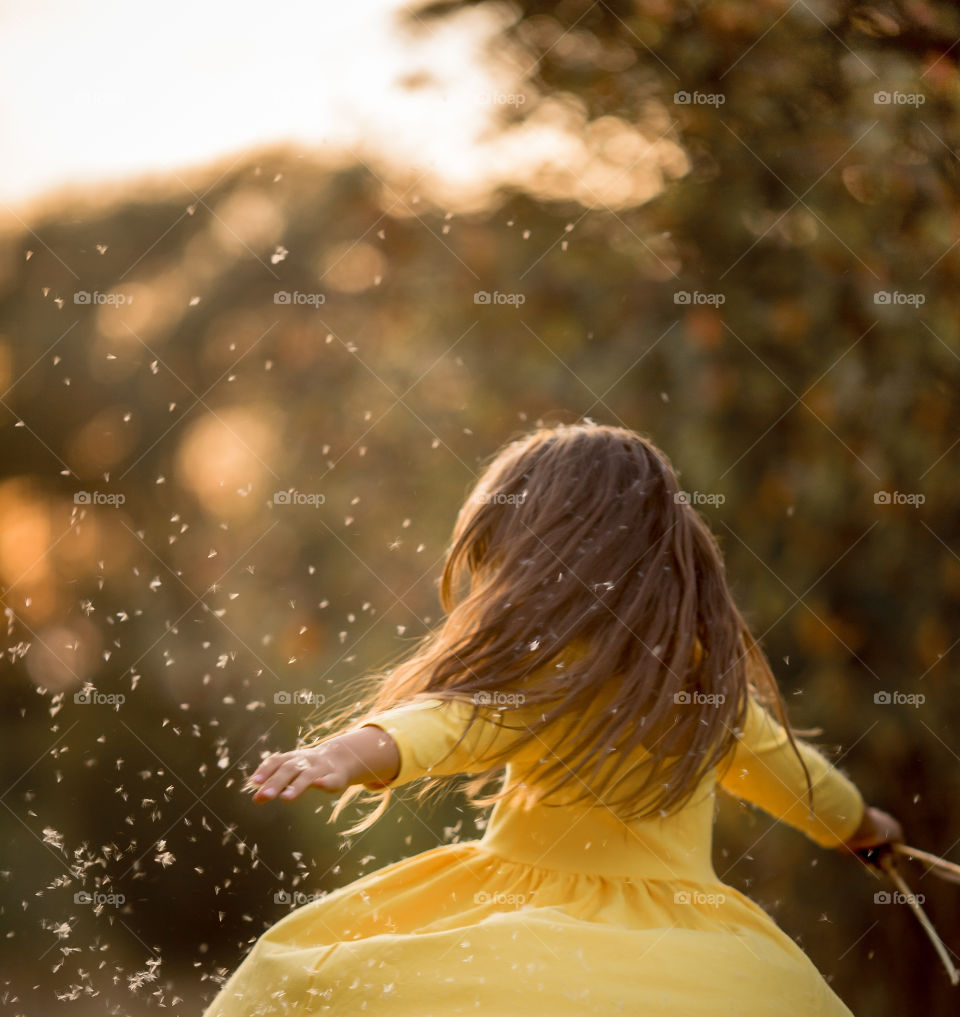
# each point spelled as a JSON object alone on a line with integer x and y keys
{"x": 289, "y": 774}
{"x": 367, "y": 755}
{"x": 876, "y": 829}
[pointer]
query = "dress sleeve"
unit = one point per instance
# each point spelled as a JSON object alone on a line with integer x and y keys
{"x": 764, "y": 770}
{"x": 426, "y": 731}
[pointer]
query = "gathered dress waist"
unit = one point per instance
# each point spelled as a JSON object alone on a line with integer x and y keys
{"x": 592, "y": 838}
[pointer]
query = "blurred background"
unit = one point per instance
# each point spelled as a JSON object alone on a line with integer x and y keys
{"x": 342, "y": 254}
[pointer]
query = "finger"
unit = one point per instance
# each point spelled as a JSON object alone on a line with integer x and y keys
{"x": 269, "y": 767}
{"x": 298, "y": 785}
{"x": 284, "y": 775}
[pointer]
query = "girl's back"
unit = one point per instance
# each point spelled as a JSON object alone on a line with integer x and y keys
{"x": 597, "y": 666}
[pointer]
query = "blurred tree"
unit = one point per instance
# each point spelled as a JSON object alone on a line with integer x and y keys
{"x": 756, "y": 268}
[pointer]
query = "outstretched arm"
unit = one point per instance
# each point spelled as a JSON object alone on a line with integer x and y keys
{"x": 765, "y": 770}
{"x": 391, "y": 748}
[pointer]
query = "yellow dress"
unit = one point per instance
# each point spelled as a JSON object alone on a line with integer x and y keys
{"x": 557, "y": 910}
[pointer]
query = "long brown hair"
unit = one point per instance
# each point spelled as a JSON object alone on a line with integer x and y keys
{"x": 578, "y": 537}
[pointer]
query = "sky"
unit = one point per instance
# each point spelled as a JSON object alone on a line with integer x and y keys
{"x": 108, "y": 91}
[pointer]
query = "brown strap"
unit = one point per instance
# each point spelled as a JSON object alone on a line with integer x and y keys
{"x": 938, "y": 866}
{"x": 888, "y": 863}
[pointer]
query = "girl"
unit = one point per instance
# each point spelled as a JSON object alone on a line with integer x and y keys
{"x": 592, "y": 649}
